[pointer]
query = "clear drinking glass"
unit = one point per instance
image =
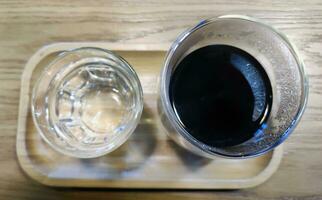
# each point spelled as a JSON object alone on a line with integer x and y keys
{"x": 280, "y": 61}
{"x": 87, "y": 102}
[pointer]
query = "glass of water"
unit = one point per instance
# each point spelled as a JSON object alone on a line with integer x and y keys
{"x": 87, "y": 102}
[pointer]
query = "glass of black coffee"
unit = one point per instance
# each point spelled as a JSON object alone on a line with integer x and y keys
{"x": 232, "y": 87}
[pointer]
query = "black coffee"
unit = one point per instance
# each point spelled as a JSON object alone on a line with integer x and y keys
{"x": 221, "y": 94}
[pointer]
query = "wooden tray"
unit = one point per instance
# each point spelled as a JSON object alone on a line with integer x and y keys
{"x": 148, "y": 159}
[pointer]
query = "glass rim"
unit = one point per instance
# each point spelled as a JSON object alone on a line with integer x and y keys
{"x": 175, "y": 122}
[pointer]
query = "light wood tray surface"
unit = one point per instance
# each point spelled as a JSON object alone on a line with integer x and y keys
{"x": 148, "y": 159}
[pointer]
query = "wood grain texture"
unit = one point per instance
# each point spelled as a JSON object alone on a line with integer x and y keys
{"x": 25, "y": 26}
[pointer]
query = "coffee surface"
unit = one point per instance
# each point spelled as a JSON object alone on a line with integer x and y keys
{"x": 221, "y": 95}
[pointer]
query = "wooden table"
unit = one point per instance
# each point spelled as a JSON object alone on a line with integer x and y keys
{"x": 25, "y": 26}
